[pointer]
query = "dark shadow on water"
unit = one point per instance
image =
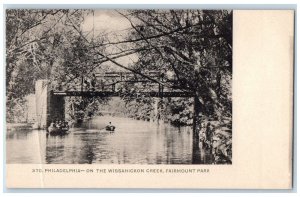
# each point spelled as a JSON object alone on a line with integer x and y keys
{"x": 88, "y": 154}
{"x": 133, "y": 142}
{"x": 196, "y": 158}
{"x": 54, "y": 148}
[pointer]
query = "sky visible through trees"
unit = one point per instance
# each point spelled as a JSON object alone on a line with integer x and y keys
{"x": 191, "y": 49}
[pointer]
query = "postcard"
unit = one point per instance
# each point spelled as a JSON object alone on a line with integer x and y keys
{"x": 152, "y": 98}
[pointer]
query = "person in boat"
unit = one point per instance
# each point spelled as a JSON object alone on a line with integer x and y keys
{"x": 57, "y": 124}
{"x": 53, "y": 123}
{"x": 51, "y": 127}
{"x": 110, "y": 124}
{"x": 110, "y": 127}
{"x": 66, "y": 125}
{"x": 61, "y": 124}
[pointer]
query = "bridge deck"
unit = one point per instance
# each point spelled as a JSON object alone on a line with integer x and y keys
{"x": 119, "y": 94}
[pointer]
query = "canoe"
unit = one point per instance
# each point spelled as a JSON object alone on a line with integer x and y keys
{"x": 110, "y": 128}
{"x": 58, "y": 131}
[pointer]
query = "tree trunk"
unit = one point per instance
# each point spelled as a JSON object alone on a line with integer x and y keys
{"x": 196, "y": 118}
{"x": 196, "y": 130}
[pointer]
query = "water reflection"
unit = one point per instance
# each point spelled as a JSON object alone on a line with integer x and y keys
{"x": 133, "y": 142}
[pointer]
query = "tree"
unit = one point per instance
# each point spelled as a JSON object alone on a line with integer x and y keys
{"x": 34, "y": 39}
{"x": 195, "y": 45}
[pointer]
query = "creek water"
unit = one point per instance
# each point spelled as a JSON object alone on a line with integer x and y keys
{"x": 133, "y": 142}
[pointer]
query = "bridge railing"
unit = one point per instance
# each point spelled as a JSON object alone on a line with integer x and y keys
{"x": 122, "y": 82}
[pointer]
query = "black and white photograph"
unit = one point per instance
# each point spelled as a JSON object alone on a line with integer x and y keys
{"x": 140, "y": 86}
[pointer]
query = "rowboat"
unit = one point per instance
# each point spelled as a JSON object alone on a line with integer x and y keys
{"x": 52, "y": 130}
{"x": 110, "y": 128}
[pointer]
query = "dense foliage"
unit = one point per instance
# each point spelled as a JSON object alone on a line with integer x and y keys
{"x": 191, "y": 49}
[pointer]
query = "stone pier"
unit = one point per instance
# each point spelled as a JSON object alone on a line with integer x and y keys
{"x": 41, "y": 97}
